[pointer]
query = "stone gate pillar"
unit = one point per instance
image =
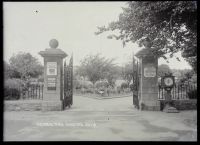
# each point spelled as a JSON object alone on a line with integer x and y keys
{"x": 53, "y": 72}
{"x": 148, "y": 80}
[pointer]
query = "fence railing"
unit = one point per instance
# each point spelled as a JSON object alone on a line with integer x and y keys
{"x": 32, "y": 92}
{"x": 179, "y": 92}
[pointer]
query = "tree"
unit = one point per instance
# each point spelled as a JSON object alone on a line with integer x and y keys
{"x": 25, "y": 65}
{"x": 9, "y": 72}
{"x": 185, "y": 75}
{"x": 96, "y": 67}
{"x": 171, "y": 26}
{"x": 128, "y": 71}
{"x": 163, "y": 69}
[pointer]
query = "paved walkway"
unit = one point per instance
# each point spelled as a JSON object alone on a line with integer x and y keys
{"x": 100, "y": 120}
{"x": 90, "y": 104}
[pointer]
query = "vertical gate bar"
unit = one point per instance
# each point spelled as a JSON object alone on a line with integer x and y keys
{"x": 65, "y": 84}
{"x": 137, "y": 81}
{"x": 31, "y": 92}
{"x": 189, "y": 88}
{"x": 42, "y": 90}
{"x": 72, "y": 80}
{"x": 35, "y": 94}
{"x": 186, "y": 92}
{"x": 20, "y": 96}
{"x": 28, "y": 92}
{"x": 39, "y": 90}
{"x": 178, "y": 91}
{"x": 175, "y": 92}
{"x": 132, "y": 90}
{"x": 181, "y": 91}
{"x": 159, "y": 92}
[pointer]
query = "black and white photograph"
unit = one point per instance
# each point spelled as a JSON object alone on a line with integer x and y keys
{"x": 100, "y": 71}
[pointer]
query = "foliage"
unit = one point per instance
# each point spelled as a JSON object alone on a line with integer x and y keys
{"x": 171, "y": 26}
{"x": 101, "y": 84}
{"x": 124, "y": 85}
{"x": 78, "y": 84}
{"x": 41, "y": 78}
{"x": 133, "y": 87}
{"x": 25, "y": 65}
{"x": 10, "y": 72}
{"x": 96, "y": 67}
{"x": 192, "y": 94}
{"x": 12, "y": 89}
{"x": 163, "y": 69}
{"x": 185, "y": 75}
{"x": 128, "y": 71}
{"x": 194, "y": 78}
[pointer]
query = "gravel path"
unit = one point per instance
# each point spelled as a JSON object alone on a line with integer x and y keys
{"x": 100, "y": 120}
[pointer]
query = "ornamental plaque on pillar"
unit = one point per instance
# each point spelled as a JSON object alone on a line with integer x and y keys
{"x": 53, "y": 71}
{"x": 149, "y": 72}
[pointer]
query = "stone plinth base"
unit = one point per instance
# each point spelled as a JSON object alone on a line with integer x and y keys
{"x": 52, "y": 105}
{"x": 148, "y": 107}
{"x": 170, "y": 109}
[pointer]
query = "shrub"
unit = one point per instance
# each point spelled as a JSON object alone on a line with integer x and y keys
{"x": 86, "y": 84}
{"x": 192, "y": 94}
{"x": 12, "y": 89}
{"x": 124, "y": 85}
{"x": 89, "y": 90}
{"x": 78, "y": 84}
{"x": 101, "y": 84}
{"x": 118, "y": 89}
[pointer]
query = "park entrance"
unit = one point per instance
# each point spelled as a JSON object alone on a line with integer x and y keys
{"x": 58, "y": 82}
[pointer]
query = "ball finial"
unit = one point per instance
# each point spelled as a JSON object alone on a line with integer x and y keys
{"x": 53, "y": 43}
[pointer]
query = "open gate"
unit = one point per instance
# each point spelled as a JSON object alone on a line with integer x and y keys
{"x": 135, "y": 86}
{"x": 68, "y": 83}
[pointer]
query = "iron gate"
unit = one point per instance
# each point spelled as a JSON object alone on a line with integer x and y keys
{"x": 68, "y": 83}
{"x": 135, "y": 86}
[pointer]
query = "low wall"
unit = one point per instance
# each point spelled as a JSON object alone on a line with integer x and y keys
{"x": 182, "y": 104}
{"x": 23, "y": 105}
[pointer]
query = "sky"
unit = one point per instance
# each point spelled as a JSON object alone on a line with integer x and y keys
{"x": 29, "y": 26}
